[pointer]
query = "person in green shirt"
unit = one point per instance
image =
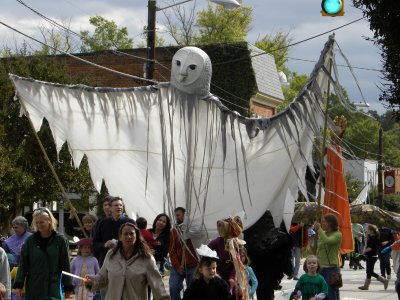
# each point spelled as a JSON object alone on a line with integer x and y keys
{"x": 312, "y": 286}
{"x": 329, "y": 240}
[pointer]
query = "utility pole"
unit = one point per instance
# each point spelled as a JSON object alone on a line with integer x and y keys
{"x": 380, "y": 168}
{"x": 151, "y": 37}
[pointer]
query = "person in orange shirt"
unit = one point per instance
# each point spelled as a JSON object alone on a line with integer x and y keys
{"x": 396, "y": 253}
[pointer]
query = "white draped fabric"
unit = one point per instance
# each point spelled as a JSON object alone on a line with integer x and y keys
{"x": 159, "y": 148}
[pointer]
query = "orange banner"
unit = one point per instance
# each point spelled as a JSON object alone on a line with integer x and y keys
{"x": 336, "y": 197}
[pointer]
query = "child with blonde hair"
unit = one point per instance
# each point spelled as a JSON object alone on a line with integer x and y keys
{"x": 311, "y": 285}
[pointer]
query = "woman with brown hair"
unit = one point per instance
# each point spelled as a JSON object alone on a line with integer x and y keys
{"x": 161, "y": 232}
{"x": 128, "y": 269}
{"x": 329, "y": 240}
{"x": 371, "y": 252}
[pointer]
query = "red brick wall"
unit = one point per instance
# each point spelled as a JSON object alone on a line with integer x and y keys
{"x": 123, "y": 63}
{"x": 262, "y": 110}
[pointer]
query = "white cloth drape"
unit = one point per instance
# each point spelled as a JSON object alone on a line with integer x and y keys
{"x": 159, "y": 148}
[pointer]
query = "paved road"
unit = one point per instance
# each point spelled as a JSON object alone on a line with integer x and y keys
{"x": 351, "y": 281}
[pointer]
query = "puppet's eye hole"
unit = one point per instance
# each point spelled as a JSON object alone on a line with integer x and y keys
{"x": 192, "y": 67}
{"x": 178, "y": 62}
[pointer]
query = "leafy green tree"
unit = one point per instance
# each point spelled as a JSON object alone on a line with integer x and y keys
{"x": 106, "y": 36}
{"x": 24, "y": 174}
{"x": 361, "y": 137}
{"x": 277, "y": 46}
{"x": 217, "y": 25}
{"x": 384, "y": 20}
{"x": 354, "y": 187}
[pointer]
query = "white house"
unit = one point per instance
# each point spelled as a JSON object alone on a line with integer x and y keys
{"x": 365, "y": 171}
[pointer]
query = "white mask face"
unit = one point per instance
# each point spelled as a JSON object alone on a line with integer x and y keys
{"x": 191, "y": 71}
{"x": 187, "y": 67}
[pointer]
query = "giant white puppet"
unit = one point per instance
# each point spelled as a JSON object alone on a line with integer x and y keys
{"x": 175, "y": 144}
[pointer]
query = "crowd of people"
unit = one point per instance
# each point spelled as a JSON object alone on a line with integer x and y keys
{"x": 371, "y": 244}
{"x": 121, "y": 258}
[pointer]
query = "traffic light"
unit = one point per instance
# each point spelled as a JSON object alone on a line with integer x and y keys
{"x": 332, "y": 8}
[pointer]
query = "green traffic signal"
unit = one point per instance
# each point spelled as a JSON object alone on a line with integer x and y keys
{"x": 332, "y": 8}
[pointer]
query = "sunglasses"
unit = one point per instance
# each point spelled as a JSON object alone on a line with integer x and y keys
{"x": 39, "y": 210}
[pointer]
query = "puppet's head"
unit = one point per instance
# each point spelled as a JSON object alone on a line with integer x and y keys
{"x": 230, "y": 228}
{"x": 191, "y": 71}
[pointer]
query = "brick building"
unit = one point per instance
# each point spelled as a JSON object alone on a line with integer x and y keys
{"x": 269, "y": 91}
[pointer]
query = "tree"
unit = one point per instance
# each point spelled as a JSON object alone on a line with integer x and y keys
{"x": 217, "y": 25}
{"x": 361, "y": 137}
{"x": 181, "y": 25}
{"x": 384, "y": 22}
{"x": 106, "y": 36}
{"x": 57, "y": 40}
{"x": 277, "y": 45}
{"x": 354, "y": 187}
{"x": 24, "y": 174}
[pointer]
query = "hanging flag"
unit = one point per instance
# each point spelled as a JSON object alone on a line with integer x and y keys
{"x": 336, "y": 196}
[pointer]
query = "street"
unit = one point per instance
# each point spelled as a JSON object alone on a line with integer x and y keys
{"x": 351, "y": 281}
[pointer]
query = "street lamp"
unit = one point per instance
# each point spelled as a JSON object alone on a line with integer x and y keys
{"x": 151, "y": 27}
{"x": 361, "y": 104}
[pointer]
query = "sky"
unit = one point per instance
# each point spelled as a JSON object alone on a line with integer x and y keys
{"x": 302, "y": 18}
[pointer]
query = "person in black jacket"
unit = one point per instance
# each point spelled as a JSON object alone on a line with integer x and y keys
{"x": 106, "y": 232}
{"x": 161, "y": 232}
{"x": 371, "y": 253}
{"x": 386, "y": 238}
{"x": 88, "y": 222}
{"x": 206, "y": 283}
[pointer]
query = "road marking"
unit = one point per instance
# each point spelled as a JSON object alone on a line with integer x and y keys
{"x": 347, "y": 298}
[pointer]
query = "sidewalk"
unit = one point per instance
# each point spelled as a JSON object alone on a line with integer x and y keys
{"x": 351, "y": 281}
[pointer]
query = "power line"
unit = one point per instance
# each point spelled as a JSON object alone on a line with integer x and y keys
{"x": 314, "y": 61}
{"x": 62, "y": 27}
{"x": 293, "y": 44}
